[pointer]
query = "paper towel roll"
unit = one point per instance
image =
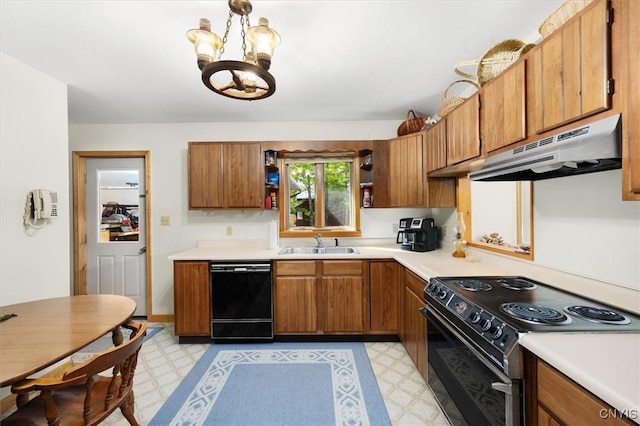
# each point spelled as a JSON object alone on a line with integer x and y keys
{"x": 273, "y": 235}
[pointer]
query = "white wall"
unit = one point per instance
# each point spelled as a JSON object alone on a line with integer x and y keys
{"x": 33, "y": 154}
{"x": 581, "y": 226}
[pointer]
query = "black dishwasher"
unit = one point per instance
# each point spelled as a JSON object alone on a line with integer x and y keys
{"x": 242, "y": 300}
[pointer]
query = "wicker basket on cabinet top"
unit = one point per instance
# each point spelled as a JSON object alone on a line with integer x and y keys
{"x": 494, "y": 61}
{"x": 450, "y": 103}
{"x": 561, "y": 15}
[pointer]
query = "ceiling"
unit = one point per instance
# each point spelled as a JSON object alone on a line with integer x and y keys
{"x": 130, "y": 61}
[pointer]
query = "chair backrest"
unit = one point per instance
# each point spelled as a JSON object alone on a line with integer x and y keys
{"x": 117, "y": 357}
{"x": 82, "y": 395}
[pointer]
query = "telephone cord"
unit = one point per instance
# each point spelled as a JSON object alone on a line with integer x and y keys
{"x": 27, "y": 214}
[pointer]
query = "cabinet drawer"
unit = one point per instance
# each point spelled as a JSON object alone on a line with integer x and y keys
{"x": 342, "y": 267}
{"x": 567, "y": 401}
{"x": 296, "y": 268}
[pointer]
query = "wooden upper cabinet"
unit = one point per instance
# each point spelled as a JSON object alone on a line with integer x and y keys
{"x": 573, "y": 71}
{"x": 205, "y": 176}
{"x": 463, "y": 131}
{"x": 631, "y": 116}
{"x": 225, "y": 176}
{"x": 404, "y": 181}
{"x": 435, "y": 145}
{"x": 502, "y": 111}
{"x": 243, "y": 175}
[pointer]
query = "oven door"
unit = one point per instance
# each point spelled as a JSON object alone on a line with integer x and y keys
{"x": 469, "y": 388}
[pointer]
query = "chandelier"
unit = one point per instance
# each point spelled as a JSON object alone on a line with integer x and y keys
{"x": 249, "y": 78}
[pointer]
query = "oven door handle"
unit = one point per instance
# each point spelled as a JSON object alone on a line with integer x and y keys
{"x": 482, "y": 358}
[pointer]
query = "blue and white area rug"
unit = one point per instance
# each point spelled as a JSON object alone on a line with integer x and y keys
{"x": 277, "y": 384}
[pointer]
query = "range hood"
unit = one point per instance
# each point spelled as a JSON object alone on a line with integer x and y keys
{"x": 590, "y": 148}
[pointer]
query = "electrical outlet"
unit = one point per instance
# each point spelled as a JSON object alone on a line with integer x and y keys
{"x": 394, "y": 226}
{"x": 444, "y": 231}
{"x": 165, "y": 221}
{"x": 229, "y": 230}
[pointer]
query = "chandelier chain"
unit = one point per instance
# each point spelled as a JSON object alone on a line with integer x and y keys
{"x": 243, "y": 34}
{"x": 226, "y": 33}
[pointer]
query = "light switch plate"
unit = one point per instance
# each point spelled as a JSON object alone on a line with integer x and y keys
{"x": 165, "y": 220}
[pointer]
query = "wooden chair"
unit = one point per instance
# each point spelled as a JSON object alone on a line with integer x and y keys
{"x": 81, "y": 396}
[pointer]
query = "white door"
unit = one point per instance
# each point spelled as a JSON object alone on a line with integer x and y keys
{"x": 116, "y": 261}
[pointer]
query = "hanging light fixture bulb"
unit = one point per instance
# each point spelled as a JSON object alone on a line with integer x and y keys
{"x": 249, "y": 78}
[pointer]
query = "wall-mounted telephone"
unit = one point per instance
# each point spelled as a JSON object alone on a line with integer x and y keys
{"x": 45, "y": 204}
{"x": 41, "y": 204}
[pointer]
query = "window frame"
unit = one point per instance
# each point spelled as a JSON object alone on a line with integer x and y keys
{"x": 307, "y": 232}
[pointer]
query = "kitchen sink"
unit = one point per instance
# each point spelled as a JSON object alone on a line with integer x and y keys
{"x": 319, "y": 250}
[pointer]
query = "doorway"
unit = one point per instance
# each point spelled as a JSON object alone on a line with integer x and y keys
{"x": 112, "y": 253}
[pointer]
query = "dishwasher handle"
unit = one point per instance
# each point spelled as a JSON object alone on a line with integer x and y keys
{"x": 241, "y": 268}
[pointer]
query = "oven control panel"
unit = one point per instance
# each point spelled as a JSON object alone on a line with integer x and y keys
{"x": 496, "y": 332}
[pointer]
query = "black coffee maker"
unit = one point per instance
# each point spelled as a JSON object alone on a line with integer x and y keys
{"x": 417, "y": 234}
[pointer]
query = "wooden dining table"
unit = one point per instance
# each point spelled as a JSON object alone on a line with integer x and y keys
{"x": 43, "y": 332}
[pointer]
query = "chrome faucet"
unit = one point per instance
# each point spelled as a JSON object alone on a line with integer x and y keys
{"x": 319, "y": 242}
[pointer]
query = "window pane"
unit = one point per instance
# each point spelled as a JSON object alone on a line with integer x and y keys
{"x": 337, "y": 194}
{"x": 118, "y": 204}
{"x": 302, "y": 205}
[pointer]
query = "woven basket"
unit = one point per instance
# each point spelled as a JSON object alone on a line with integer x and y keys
{"x": 412, "y": 124}
{"x": 494, "y": 61}
{"x": 449, "y": 104}
{"x": 561, "y": 15}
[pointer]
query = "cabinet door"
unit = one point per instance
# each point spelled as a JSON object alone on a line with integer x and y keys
{"x": 574, "y": 69}
{"x": 405, "y": 171}
{"x": 295, "y": 305}
{"x": 435, "y": 143}
{"x": 415, "y": 327}
{"x": 342, "y": 296}
{"x": 502, "y": 114}
{"x": 383, "y": 296}
{"x": 243, "y": 175}
{"x": 192, "y": 298}
{"x": 295, "y": 300}
{"x": 205, "y": 176}
{"x": 414, "y": 324}
{"x": 463, "y": 131}
{"x": 631, "y": 167}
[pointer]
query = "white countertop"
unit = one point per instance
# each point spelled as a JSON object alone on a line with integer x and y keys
{"x": 610, "y": 369}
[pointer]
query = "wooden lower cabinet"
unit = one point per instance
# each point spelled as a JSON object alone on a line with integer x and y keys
{"x": 323, "y": 297}
{"x": 383, "y": 297}
{"x": 192, "y": 298}
{"x": 554, "y": 399}
{"x": 295, "y": 300}
{"x": 413, "y": 328}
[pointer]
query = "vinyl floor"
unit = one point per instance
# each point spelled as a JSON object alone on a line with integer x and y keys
{"x": 163, "y": 363}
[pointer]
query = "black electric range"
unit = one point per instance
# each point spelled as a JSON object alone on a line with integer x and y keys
{"x": 494, "y": 311}
{"x": 474, "y": 326}
{"x": 527, "y": 305}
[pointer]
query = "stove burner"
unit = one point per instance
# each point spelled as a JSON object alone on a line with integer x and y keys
{"x": 599, "y": 315}
{"x": 535, "y": 314}
{"x": 472, "y": 285}
{"x": 516, "y": 284}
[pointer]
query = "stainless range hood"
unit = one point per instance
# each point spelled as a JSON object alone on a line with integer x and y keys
{"x": 591, "y": 148}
